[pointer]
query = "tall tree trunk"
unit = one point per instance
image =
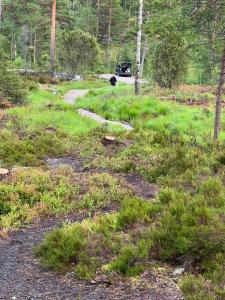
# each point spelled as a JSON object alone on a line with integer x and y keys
{"x": 35, "y": 47}
{"x": 218, "y": 98}
{"x": 52, "y": 46}
{"x": 138, "y": 51}
{"x": 97, "y": 19}
{"x": 109, "y": 32}
{"x": 128, "y": 19}
{"x": 145, "y": 49}
{"x": 212, "y": 41}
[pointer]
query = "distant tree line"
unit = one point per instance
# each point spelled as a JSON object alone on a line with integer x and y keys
{"x": 181, "y": 40}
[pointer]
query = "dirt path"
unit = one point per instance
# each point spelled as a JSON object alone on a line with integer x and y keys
{"x": 101, "y": 120}
{"x": 22, "y": 278}
{"x": 137, "y": 183}
{"x": 71, "y": 97}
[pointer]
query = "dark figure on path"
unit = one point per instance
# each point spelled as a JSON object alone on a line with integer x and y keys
{"x": 113, "y": 81}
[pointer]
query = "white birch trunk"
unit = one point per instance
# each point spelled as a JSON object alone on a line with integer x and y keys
{"x": 138, "y": 51}
{"x": 53, "y": 32}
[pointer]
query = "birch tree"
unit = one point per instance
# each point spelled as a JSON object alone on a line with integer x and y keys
{"x": 52, "y": 46}
{"x": 138, "y": 50}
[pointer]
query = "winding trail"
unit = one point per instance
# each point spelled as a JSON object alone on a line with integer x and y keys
{"x": 71, "y": 97}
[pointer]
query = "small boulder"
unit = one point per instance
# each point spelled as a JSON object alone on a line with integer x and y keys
{"x": 3, "y": 172}
{"x": 178, "y": 271}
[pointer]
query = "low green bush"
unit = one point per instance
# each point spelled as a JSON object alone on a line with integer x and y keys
{"x": 29, "y": 150}
{"x": 103, "y": 190}
{"x": 197, "y": 288}
{"x": 133, "y": 211}
{"x": 31, "y": 85}
{"x": 30, "y": 192}
{"x": 124, "y": 262}
{"x": 191, "y": 225}
{"x": 4, "y": 208}
{"x": 62, "y": 247}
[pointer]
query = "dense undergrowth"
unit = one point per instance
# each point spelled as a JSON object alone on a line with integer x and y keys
{"x": 29, "y": 193}
{"x": 184, "y": 223}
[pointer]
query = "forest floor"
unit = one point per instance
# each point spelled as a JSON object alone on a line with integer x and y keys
{"x": 133, "y": 204}
{"x": 22, "y": 278}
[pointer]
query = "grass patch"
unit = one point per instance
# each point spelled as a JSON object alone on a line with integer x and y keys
{"x": 81, "y": 85}
{"x": 30, "y": 150}
{"x": 147, "y": 112}
{"x": 48, "y": 110}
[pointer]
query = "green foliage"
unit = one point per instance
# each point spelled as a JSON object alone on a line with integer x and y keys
{"x": 12, "y": 87}
{"x": 197, "y": 288}
{"x": 79, "y": 50}
{"x": 133, "y": 211}
{"x": 44, "y": 63}
{"x": 29, "y": 192}
{"x": 103, "y": 191}
{"x": 62, "y": 247}
{"x": 210, "y": 285}
{"x": 124, "y": 261}
{"x": 4, "y": 208}
{"x": 29, "y": 151}
{"x": 170, "y": 61}
{"x": 192, "y": 226}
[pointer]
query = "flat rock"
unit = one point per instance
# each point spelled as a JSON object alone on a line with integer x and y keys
{"x": 4, "y": 172}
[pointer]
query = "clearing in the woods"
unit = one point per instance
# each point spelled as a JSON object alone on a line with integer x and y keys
{"x": 135, "y": 214}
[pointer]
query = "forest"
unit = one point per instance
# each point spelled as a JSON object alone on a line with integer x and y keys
{"x": 112, "y": 189}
